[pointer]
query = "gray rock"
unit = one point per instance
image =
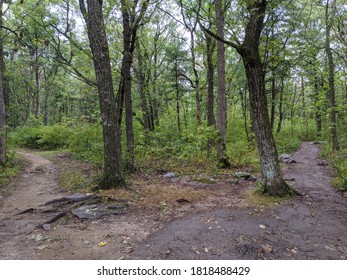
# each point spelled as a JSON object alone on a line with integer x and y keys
{"x": 47, "y": 227}
{"x": 286, "y": 158}
{"x": 95, "y": 211}
{"x": 169, "y": 175}
{"x": 245, "y": 176}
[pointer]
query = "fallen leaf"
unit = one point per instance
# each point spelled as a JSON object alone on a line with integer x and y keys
{"x": 102, "y": 244}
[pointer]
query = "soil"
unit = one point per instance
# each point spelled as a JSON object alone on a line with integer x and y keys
{"x": 219, "y": 222}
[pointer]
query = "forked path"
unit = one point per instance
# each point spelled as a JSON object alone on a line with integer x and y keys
{"x": 313, "y": 226}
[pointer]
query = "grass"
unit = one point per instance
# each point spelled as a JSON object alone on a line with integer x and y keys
{"x": 257, "y": 197}
{"x": 14, "y": 166}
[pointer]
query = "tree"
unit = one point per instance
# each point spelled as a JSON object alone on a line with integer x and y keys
{"x": 221, "y": 96}
{"x": 331, "y": 71}
{"x": 132, "y": 20}
{"x": 113, "y": 169}
{"x": 273, "y": 182}
{"x": 2, "y": 94}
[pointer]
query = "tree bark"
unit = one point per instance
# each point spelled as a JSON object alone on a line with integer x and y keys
{"x": 273, "y": 100}
{"x": 211, "y": 120}
{"x": 126, "y": 77}
{"x": 113, "y": 169}
{"x": 280, "y": 107}
{"x": 273, "y": 182}
{"x": 37, "y": 84}
{"x": 2, "y": 95}
{"x": 221, "y": 99}
{"x": 146, "y": 118}
{"x": 318, "y": 113}
{"x": 331, "y": 70}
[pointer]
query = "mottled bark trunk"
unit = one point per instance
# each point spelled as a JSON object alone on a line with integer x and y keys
{"x": 221, "y": 99}
{"x": 280, "y": 108}
{"x": 318, "y": 113}
{"x": 113, "y": 169}
{"x": 211, "y": 121}
{"x": 273, "y": 182}
{"x": 273, "y": 100}
{"x": 126, "y": 76}
{"x": 178, "y": 98}
{"x": 197, "y": 81}
{"x": 37, "y": 85}
{"x": 331, "y": 71}
{"x": 146, "y": 120}
{"x": 2, "y": 96}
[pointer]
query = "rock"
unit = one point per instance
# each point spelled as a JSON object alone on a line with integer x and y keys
{"x": 42, "y": 247}
{"x": 169, "y": 175}
{"x": 95, "y": 211}
{"x": 182, "y": 201}
{"x": 286, "y": 158}
{"x": 47, "y": 227}
{"x": 266, "y": 248}
{"x": 245, "y": 176}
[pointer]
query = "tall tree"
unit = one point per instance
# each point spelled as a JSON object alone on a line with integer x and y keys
{"x": 331, "y": 71}
{"x": 2, "y": 94}
{"x": 221, "y": 96}
{"x": 132, "y": 20}
{"x": 113, "y": 175}
{"x": 273, "y": 182}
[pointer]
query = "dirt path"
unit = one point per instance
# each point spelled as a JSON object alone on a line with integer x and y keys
{"x": 311, "y": 227}
{"x": 22, "y": 237}
{"x": 34, "y": 187}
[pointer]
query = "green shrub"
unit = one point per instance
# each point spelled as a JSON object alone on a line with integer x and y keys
{"x": 86, "y": 142}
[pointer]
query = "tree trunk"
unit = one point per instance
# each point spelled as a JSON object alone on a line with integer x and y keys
{"x": 273, "y": 182}
{"x": 331, "y": 70}
{"x": 126, "y": 77}
{"x": 280, "y": 107}
{"x": 221, "y": 99}
{"x": 113, "y": 169}
{"x": 197, "y": 81}
{"x": 142, "y": 91}
{"x": 38, "y": 85}
{"x": 273, "y": 100}
{"x": 211, "y": 121}
{"x": 2, "y": 95}
{"x": 178, "y": 109}
{"x": 318, "y": 113}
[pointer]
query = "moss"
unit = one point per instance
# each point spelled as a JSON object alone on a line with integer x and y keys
{"x": 257, "y": 197}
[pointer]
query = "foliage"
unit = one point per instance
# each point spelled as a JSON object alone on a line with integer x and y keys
{"x": 14, "y": 165}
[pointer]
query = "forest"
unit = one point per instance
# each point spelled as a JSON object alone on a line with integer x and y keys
{"x": 152, "y": 129}
{"x": 156, "y": 86}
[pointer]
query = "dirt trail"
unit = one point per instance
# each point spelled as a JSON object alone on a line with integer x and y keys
{"x": 34, "y": 187}
{"x": 310, "y": 227}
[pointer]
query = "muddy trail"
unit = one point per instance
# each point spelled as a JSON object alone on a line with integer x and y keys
{"x": 310, "y": 227}
{"x": 313, "y": 226}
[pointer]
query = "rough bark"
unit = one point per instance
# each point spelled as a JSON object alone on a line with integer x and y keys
{"x": 331, "y": 70}
{"x": 113, "y": 169}
{"x": 37, "y": 84}
{"x": 273, "y": 182}
{"x": 211, "y": 120}
{"x": 146, "y": 118}
{"x": 318, "y": 113}
{"x": 126, "y": 77}
{"x": 221, "y": 99}
{"x": 273, "y": 100}
{"x": 2, "y": 96}
{"x": 280, "y": 108}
